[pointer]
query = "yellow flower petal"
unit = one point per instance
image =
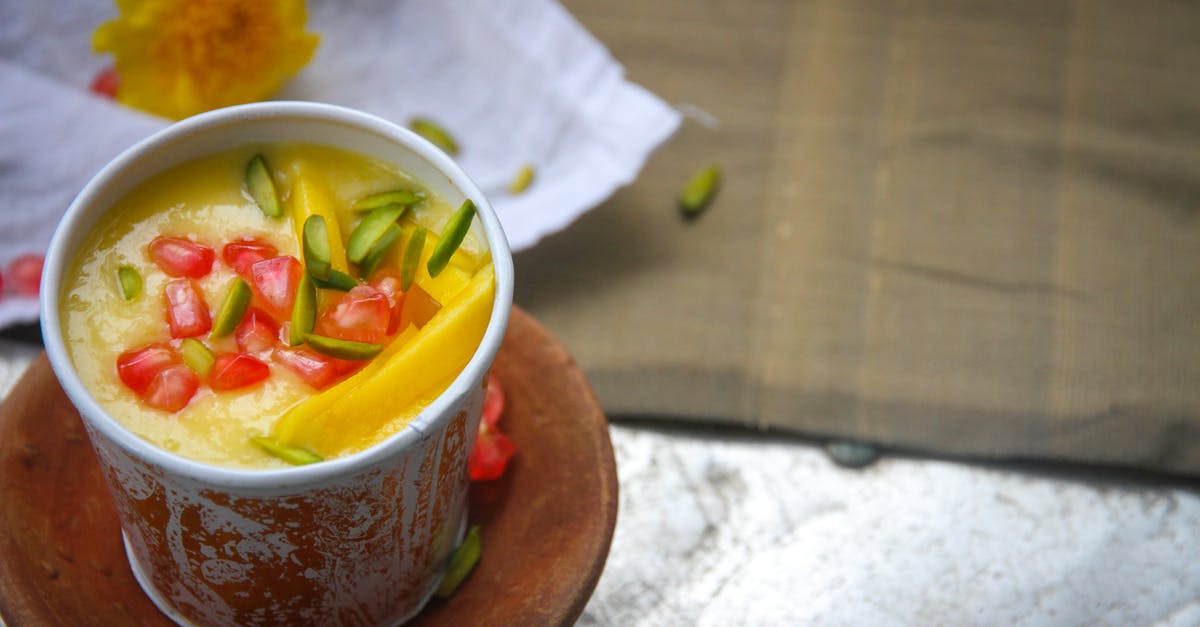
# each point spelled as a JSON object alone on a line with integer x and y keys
{"x": 181, "y": 57}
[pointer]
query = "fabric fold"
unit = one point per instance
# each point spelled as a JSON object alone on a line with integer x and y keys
{"x": 516, "y": 83}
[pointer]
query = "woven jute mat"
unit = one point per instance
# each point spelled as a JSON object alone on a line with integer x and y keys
{"x": 962, "y": 227}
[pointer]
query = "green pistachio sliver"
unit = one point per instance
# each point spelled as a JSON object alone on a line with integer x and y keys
{"x": 343, "y": 349}
{"x": 451, "y": 238}
{"x": 197, "y": 356}
{"x": 304, "y": 311}
{"x": 129, "y": 282}
{"x": 435, "y": 134}
{"x": 699, "y": 191}
{"x": 371, "y": 261}
{"x": 522, "y": 180}
{"x": 337, "y": 280}
{"x": 291, "y": 454}
{"x": 412, "y": 257}
{"x": 317, "y": 257}
{"x": 237, "y": 299}
{"x": 405, "y": 197}
{"x": 262, "y": 186}
{"x": 462, "y": 562}
{"x": 364, "y": 236}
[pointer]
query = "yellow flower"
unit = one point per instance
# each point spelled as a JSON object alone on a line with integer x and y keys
{"x": 181, "y": 57}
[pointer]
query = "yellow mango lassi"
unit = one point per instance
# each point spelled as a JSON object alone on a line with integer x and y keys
{"x": 275, "y": 304}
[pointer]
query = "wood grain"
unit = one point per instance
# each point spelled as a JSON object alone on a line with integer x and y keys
{"x": 546, "y": 525}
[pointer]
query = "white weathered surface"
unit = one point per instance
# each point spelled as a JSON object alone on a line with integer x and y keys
{"x": 717, "y": 529}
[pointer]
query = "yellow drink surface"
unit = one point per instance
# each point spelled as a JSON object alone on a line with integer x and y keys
{"x": 204, "y": 200}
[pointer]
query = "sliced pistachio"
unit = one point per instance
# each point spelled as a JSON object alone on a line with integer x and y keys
{"x": 304, "y": 311}
{"x": 522, "y": 181}
{"x": 435, "y": 134}
{"x": 405, "y": 197}
{"x": 337, "y": 280}
{"x": 462, "y": 561}
{"x": 851, "y": 454}
{"x": 371, "y": 261}
{"x": 237, "y": 299}
{"x": 262, "y": 186}
{"x": 293, "y": 455}
{"x": 317, "y": 258}
{"x": 129, "y": 282}
{"x": 343, "y": 349}
{"x": 412, "y": 257}
{"x": 453, "y": 232}
{"x": 699, "y": 191}
{"x": 197, "y": 356}
{"x": 370, "y": 229}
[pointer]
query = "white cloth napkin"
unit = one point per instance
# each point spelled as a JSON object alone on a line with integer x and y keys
{"x": 515, "y": 81}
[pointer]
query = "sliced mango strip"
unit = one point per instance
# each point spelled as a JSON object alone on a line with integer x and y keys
{"x": 309, "y": 198}
{"x": 377, "y": 401}
{"x": 449, "y": 283}
{"x": 471, "y": 254}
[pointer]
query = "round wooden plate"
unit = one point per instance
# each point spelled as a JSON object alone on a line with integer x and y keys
{"x": 546, "y": 525}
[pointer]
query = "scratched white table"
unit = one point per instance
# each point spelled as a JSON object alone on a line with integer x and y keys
{"x": 719, "y": 527}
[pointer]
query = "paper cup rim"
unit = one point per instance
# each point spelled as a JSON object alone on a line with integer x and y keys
{"x": 429, "y": 420}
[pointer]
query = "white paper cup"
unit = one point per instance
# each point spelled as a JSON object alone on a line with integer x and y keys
{"x": 361, "y": 539}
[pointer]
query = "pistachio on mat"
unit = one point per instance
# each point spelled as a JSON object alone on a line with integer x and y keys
{"x": 699, "y": 191}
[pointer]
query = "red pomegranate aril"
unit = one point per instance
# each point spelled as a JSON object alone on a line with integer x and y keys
{"x": 490, "y": 455}
{"x": 187, "y": 314}
{"x": 361, "y": 315}
{"x": 232, "y": 371}
{"x": 180, "y": 257}
{"x": 493, "y": 401}
{"x": 242, "y": 254}
{"x": 317, "y": 370}
{"x": 106, "y": 83}
{"x": 344, "y": 367}
{"x": 172, "y": 388}
{"x": 389, "y": 284}
{"x": 25, "y": 274}
{"x": 137, "y": 367}
{"x": 275, "y": 281}
{"x": 257, "y": 331}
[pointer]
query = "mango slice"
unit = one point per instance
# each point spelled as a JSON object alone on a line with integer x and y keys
{"x": 387, "y": 394}
{"x": 309, "y": 198}
{"x": 450, "y": 282}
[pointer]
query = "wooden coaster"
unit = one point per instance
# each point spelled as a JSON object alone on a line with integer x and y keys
{"x": 546, "y": 525}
